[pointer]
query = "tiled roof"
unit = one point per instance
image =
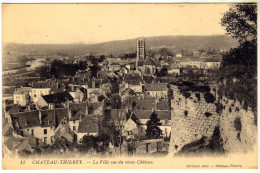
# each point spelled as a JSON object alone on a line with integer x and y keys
{"x": 23, "y": 120}
{"x": 77, "y": 110}
{"x": 156, "y": 87}
{"x": 7, "y": 130}
{"x": 26, "y": 119}
{"x": 88, "y": 125}
{"x": 132, "y": 79}
{"x": 145, "y": 104}
{"x": 163, "y": 105}
{"x": 48, "y": 118}
{"x": 14, "y": 108}
{"x": 92, "y": 107}
{"x": 60, "y": 97}
{"x": 24, "y": 90}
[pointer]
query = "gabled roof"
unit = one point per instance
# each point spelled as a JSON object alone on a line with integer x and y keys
{"x": 49, "y": 118}
{"x": 149, "y": 61}
{"x": 23, "y": 120}
{"x": 88, "y": 125}
{"x": 23, "y": 90}
{"x": 60, "y": 97}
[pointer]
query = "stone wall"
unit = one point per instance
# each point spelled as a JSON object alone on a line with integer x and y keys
{"x": 192, "y": 118}
{"x": 237, "y": 127}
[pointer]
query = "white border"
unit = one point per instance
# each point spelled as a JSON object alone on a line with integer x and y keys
{"x": 130, "y": 1}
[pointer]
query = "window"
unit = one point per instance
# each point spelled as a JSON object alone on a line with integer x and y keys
{"x": 34, "y": 95}
{"x": 32, "y": 132}
{"x": 73, "y": 121}
{"x": 45, "y": 131}
{"x": 74, "y": 128}
{"x": 45, "y": 140}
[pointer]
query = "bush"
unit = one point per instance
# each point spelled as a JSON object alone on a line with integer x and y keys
{"x": 209, "y": 98}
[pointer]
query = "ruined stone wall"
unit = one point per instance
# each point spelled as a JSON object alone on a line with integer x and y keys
{"x": 191, "y": 119}
{"x": 237, "y": 127}
{"x": 189, "y": 122}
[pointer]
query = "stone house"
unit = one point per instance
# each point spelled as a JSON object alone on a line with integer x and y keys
{"x": 22, "y": 96}
{"x": 157, "y": 90}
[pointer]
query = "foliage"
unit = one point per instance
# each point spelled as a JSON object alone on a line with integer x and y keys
{"x": 59, "y": 69}
{"x": 241, "y": 63}
{"x": 209, "y": 98}
{"x": 153, "y": 130}
{"x": 241, "y": 21}
{"x": 163, "y": 72}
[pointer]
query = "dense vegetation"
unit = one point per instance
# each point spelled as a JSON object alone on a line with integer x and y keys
{"x": 238, "y": 76}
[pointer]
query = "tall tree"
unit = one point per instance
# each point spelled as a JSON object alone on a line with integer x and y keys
{"x": 153, "y": 130}
{"x": 241, "y": 21}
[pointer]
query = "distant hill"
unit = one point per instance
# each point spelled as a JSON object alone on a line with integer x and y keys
{"x": 123, "y": 46}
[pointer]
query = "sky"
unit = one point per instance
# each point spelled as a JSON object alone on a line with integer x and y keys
{"x": 95, "y": 23}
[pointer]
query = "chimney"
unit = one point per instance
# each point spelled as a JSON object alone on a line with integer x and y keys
{"x": 40, "y": 116}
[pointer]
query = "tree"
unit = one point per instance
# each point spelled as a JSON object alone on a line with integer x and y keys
{"x": 153, "y": 130}
{"x": 241, "y": 21}
{"x": 88, "y": 143}
{"x": 241, "y": 63}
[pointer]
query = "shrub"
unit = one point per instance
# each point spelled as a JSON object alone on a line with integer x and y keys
{"x": 208, "y": 114}
{"x": 209, "y": 97}
{"x": 238, "y": 124}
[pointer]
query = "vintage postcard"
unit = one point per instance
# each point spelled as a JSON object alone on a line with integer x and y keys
{"x": 129, "y": 86}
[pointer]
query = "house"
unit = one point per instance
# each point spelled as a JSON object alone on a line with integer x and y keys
{"x": 55, "y": 100}
{"x": 158, "y": 90}
{"x": 77, "y": 112}
{"x": 164, "y": 116}
{"x": 133, "y": 82}
{"x": 79, "y": 94}
{"x": 22, "y": 96}
{"x": 126, "y": 122}
{"x": 174, "y": 69}
{"x": 88, "y": 126}
{"x": 38, "y": 91}
{"x": 40, "y": 124}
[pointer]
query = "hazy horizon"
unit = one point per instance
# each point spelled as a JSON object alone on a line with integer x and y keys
{"x": 117, "y": 40}
{"x": 99, "y": 23}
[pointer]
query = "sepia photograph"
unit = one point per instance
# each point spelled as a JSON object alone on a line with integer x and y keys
{"x": 129, "y": 86}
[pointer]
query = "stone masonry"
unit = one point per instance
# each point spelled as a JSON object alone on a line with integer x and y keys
{"x": 191, "y": 119}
